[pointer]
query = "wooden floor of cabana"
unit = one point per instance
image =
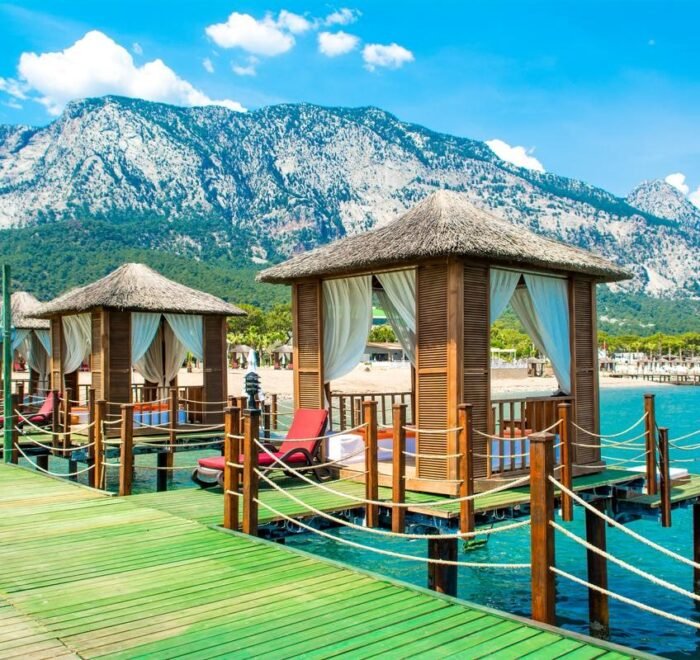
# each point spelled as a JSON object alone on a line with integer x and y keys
{"x": 87, "y": 575}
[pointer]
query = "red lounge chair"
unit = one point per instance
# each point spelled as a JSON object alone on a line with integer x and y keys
{"x": 43, "y": 416}
{"x": 307, "y": 423}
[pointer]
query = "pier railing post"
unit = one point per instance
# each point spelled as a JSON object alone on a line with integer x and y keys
{"x": 598, "y": 608}
{"x": 650, "y": 439}
{"x": 232, "y": 473}
{"x": 266, "y": 421}
{"x": 90, "y": 454}
{"x": 696, "y": 550}
{"x": 398, "y": 468}
{"x": 665, "y": 472}
{"x": 542, "y": 532}
{"x": 251, "y": 433}
{"x": 67, "y": 413}
{"x": 442, "y": 577}
{"x": 13, "y": 419}
{"x": 369, "y": 414}
{"x": 466, "y": 467}
{"x": 566, "y": 474}
{"x": 173, "y": 413}
{"x": 56, "y": 421}
{"x": 273, "y": 411}
{"x": 126, "y": 456}
{"x": 98, "y": 449}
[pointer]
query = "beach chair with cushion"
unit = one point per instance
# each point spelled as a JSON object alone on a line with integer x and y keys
{"x": 308, "y": 425}
{"x": 43, "y": 416}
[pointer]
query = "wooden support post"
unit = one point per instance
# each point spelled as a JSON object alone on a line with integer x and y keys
{"x": 598, "y": 611}
{"x": 173, "y": 412}
{"x": 696, "y": 550}
{"x": 13, "y": 419}
{"x": 67, "y": 413}
{"x": 466, "y": 467}
{"x": 266, "y": 421}
{"x": 232, "y": 473}
{"x": 42, "y": 461}
{"x": 163, "y": 458}
{"x": 398, "y": 468}
{"x": 566, "y": 473}
{"x": 665, "y": 481}
{"x": 90, "y": 454}
{"x": 442, "y": 577}
{"x": 369, "y": 414}
{"x": 650, "y": 427}
{"x": 99, "y": 452}
{"x": 273, "y": 411}
{"x": 126, "y": 459}
{"x": 20, "y": 395}
{"x": 542, "y": 533}
{"x": 56, "y": 420}
{"x": 251, "y": 433}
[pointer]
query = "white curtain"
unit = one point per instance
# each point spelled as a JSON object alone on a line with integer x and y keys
{"x": 398, "y": 300}
{"x": 144, "y": 326}
{"x": 189, "y": 330}
{"x": 151, "y": 366}
{"x": 44, "y": 336}
{"x": 175, "y": 353}
{"x": 77, "y": 340}
{"x": 503, "y": 284}
{"x": 17, "y": 337}
{"x": 543, "y": 308}
{"x": 33, "y": 351}
{"x": 347, "y": 317}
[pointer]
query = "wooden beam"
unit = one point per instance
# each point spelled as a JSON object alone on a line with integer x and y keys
{"x": 369, "y": 415}
{"x": 99, "y": 453}
{"x": 251, "y": 423}
{"x": 126, "y": 459}
{"x": 566, "y": 474}
{"x": 398, "y": 468}
{"x": 598, "y": 609}
{"x": 232, "y": 473}
{"x": 466, "y": 467}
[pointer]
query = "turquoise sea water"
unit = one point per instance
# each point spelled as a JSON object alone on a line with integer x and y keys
{"x": 679, "y": 409}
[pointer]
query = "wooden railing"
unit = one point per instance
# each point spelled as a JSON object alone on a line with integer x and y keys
{"x": 518, "y": 418}
{"x": 346, "y": 408}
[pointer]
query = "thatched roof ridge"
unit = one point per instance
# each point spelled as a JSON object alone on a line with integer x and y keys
{"x": 442, "y": 225}
{"x": 138, "y": 288}
{"x": 24, "y": 305}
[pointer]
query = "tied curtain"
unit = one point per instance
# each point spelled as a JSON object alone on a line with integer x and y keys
{"x": 347, "y": 318}
{"x": 32, "y": 349}
{"x": 398, "y": 300}
{"x": 543, "y": 309}
{"x": 189, "y": 330}
{"x": 77, "y": 340}
{"x": 144, "y": 326}
{"x": 17, "y": 337}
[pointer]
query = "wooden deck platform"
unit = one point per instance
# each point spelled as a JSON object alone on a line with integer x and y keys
{"x": 87, "y": 575}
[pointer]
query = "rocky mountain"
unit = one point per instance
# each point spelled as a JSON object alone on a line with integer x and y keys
{"x": 664, "y": 201}
{"x": 210, "y": 184}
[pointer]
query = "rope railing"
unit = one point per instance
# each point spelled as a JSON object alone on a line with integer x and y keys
{"x": 414, "y": 429}
{"x": 611, "y": 435}
{"x": 626, "y": 600}
{"x": 160, "y": 445}
{"x": 53, "y": 474}
{"x": 388, "y": 553}
{"x": 58, "y": 449}
{"x": 520, "y": 438}
{"x": 612, "y": 522}
{"x": 73, "y": 430}
{"x": 384, "y": 532}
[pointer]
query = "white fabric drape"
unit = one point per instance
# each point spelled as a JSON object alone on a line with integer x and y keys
{"x": 17, "y": 337}
{"x": 398, "y": 300}
{"x": 189, "y": 330}
{"x": 175, "y": 353}
{"x": 144, "y": 326}
{"x": 33, "y": 351}
{"x": 44, "y": 336}
{"x": 77, "y": 340}
{"x": 543, "y": 309}
{"x": 151, "y": 366}
{"x": 347, "y": 317}
{"x": 502, "y": 284}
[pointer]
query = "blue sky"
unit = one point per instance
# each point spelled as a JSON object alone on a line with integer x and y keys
{"x": 608, "y": 92}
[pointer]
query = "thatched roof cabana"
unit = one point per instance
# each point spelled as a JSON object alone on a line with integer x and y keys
{"x": 24, "y": 305}
{"x": 444, "y": 272}
{"x": 445, "y": 224}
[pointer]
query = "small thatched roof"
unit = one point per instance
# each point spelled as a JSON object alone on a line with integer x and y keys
{"x": 138, "y": 288}
{"x": 24, "y": 305}
{"x": 444, "y": 224}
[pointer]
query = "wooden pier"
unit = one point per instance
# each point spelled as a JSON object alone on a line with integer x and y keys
{"x": 87, "y": 575}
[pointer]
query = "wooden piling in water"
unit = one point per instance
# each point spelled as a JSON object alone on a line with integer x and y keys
{"x": 696, "y": 550}
{"x": 442, "y": 577}
{"x": 126, "y": 457}
{"x": 566, "y": 473}
{"x": 665, "y": 480}
{"x": 232, "y": 473}
{"x": 369, "y": 414}
{"x": 598, "y": 608}
{"x": 251, "y": 433}
{"x": 90, "y": 453}
{"x": 398, "y": 466}
{"x": 542, "y": 532}
{"x": 650, "y": 442}
{"x": 465, "y": 469}
{"x": 99, "y": 452}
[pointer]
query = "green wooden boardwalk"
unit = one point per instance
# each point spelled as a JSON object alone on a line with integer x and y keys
{"x": 87, "y": 575}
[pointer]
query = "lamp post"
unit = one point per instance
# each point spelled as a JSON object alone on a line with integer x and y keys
{"x": 252, "y": 388}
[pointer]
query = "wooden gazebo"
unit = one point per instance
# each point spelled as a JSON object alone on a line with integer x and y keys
{"x": 452, "y": 267}
{"x": 132, "y": 309}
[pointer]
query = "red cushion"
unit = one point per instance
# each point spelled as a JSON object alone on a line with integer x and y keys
{"x": 218, "y": 462}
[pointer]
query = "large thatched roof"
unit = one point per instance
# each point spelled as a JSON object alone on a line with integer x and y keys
{"x": 23, "y": 306}
{"x": 138, "y": 288}
{"x": 442, "y": 225}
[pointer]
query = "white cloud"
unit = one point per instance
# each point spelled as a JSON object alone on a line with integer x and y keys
{"x": 13, "y": 88}
{"x": 96, "y": 65}
{"x": 293, "y": 22}
{"x": 694, "y": 197}
{"x": 677, "y": 180}
{"x": 136, "y": 47}
{"x": 260, "y": 37}
{"x": 343, "y": 16}
{"x": 249, "y": 69}
{"x": 517, "y": 155}
{"x": 333, "y": 44}
{"x": 208, "y": 65}
{"x": 391, "y": 56}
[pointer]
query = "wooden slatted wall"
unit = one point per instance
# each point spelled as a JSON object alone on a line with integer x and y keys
{"x": 308, "y": 345}
{"x": 56, "y": 350}
{"x": 432, "y": 368}
{"x": 477, "y": 356}
{"x": 584, "y": 365}
{"x": 215, "y": 371}
{"x": 97, "y": 365}
{"x": 118, "y": 362}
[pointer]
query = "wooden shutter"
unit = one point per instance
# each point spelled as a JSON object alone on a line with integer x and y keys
{"x": 56, "y": 350}
{"x": 584, "y": 364}
{"x": 308, "y": 345}
{"x": 215, "y": 371}
{"x": 96, "y": 361}
{"x": 477, "y": 356}
{"x": 117, "y": 376}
